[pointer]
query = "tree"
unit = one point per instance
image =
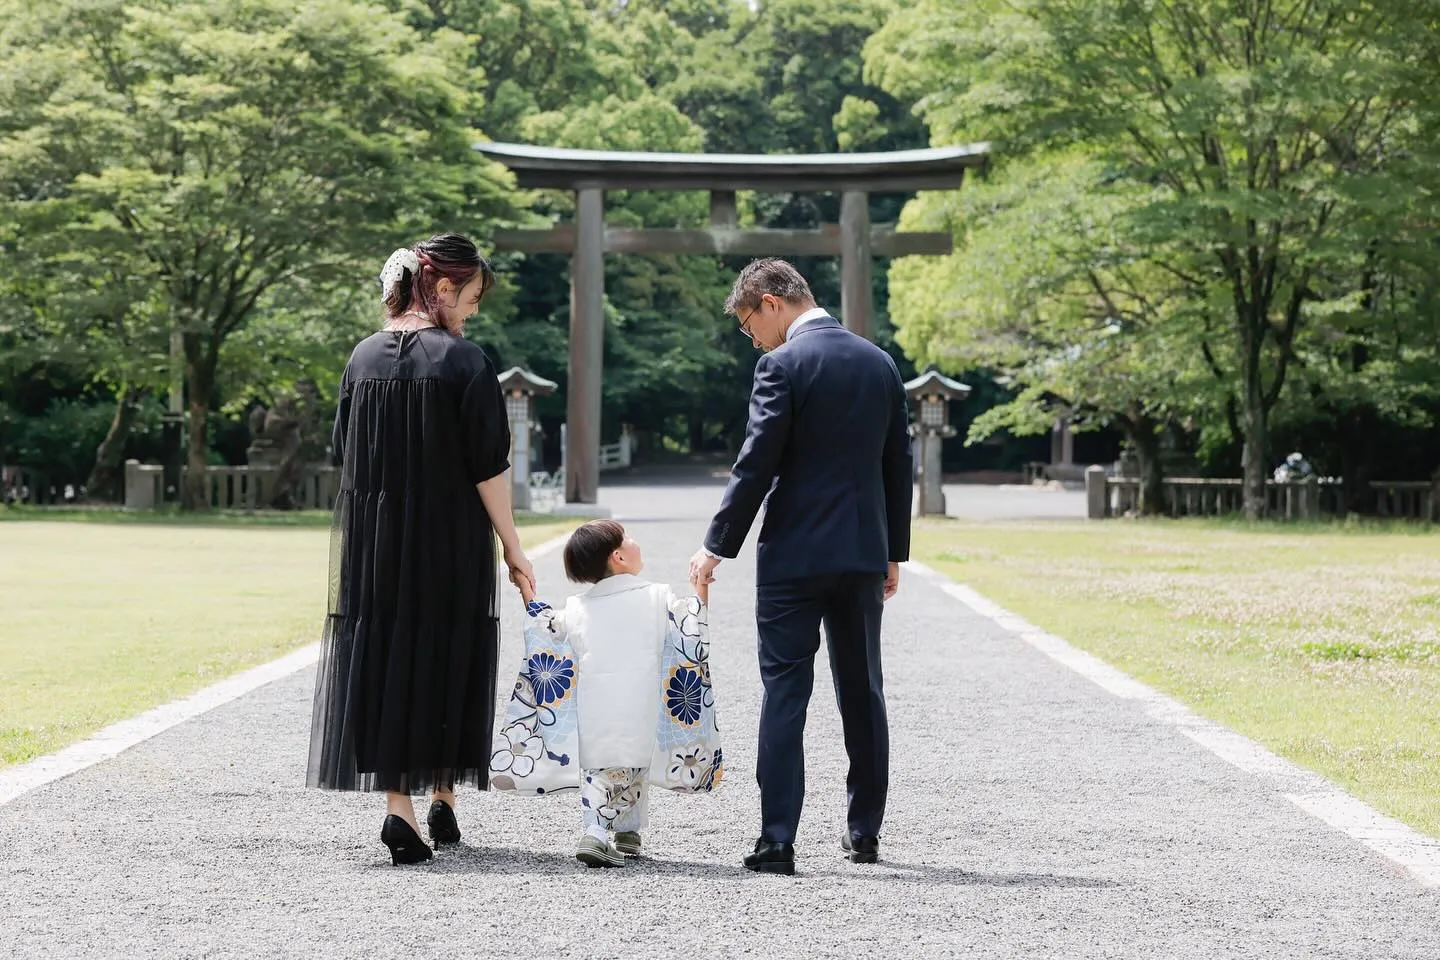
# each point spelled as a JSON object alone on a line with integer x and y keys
{"x": 533, "y": 56}
{"x": 78, "y": 289}
{"x": 102, "y": 315}
{"x": 245, "y": 146}
{"x": 1271, "y": 132}
{"x": 566, "y": 73}
{"x": 1048, "y": 289}
{"x": 237, "y": 169}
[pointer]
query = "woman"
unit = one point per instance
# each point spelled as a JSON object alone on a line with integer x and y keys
{"x": 405, "y": 695}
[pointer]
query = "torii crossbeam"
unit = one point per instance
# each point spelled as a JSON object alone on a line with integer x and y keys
{"x": 591, "y": 172}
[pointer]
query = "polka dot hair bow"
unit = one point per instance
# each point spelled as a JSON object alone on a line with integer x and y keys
{"x": 394, "y": 269}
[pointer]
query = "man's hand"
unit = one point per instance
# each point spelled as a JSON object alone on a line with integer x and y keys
{"x": 702, "y": 568}
{"x": 892, "y": 580}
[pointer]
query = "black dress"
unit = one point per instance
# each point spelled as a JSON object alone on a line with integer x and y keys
{"x": 405, "y": 694}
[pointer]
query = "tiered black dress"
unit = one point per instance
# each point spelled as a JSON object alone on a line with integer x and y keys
{"x": 405, "y": 695}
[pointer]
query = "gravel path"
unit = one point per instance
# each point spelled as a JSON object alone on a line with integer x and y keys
{"x": 1032, "y": 815}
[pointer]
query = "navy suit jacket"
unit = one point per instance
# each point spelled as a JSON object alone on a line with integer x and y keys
{"x": 827, "y": 452}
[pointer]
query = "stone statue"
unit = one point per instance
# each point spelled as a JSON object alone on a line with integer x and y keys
{"x": 286, "y": 436}
{"x": 256, "y": 422}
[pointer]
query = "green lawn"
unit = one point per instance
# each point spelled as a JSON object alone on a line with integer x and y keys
{"x": 101, "y": 620}
{"x": 1321, "y": 642}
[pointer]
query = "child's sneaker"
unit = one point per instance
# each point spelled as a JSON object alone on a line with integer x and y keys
{"x": 628, "y": 843}
{"x": 598, "y": 853}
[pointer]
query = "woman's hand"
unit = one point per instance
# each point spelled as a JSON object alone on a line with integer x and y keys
{"x": 522, "y": 575}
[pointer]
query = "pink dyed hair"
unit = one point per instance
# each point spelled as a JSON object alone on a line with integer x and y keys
{"x": 447, "y": 255}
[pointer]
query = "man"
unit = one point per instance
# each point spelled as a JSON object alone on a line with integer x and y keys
{"x": 827, "y": 452}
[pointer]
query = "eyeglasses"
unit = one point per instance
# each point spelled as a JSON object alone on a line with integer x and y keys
{"x": 745, "y": 324}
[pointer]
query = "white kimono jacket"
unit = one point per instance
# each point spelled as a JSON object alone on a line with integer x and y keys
{"x": 617, "y": 629}
{"x": 620, "y": 678}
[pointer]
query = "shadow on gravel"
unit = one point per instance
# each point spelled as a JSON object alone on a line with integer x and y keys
{"x": 519, "y": 861}
{"x": 890, "y": 870}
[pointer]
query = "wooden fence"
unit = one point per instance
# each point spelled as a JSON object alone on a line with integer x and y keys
{"x": 233, "y": 488}
{"x": 23, "y": 485}
{"x": 1309, "y": 499}
{"x": 613, "y": 456}
{"x": 616, "y": 456}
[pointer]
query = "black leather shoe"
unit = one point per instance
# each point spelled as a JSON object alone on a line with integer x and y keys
{"x": 770, "y": 857}
{"x": 861, "y": 849}
{"x": 442, "y": 823}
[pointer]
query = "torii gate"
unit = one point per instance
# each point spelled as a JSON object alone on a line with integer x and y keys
{"x": 591, "y": 172}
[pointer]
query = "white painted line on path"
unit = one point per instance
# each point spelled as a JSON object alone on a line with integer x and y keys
{"x": 1312, "y": 793}
{"x": 119, "y": 737}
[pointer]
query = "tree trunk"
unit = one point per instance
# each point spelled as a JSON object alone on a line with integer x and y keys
{"x": 1255, "y": 422}
{"x": 200, "y": 362}
{"x": 697, "y": 431}
{"x": 1152, "y": 482}
{"x": 1146, "y": 440}
{"x": 105, "y": 476}
{"x": 1356, "y": 451}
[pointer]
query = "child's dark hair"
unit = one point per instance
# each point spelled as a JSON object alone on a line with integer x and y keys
{"x": 587, "y": 552}
{"x": 447, "y": 255}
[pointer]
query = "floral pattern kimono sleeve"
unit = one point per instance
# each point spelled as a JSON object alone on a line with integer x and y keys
{"x": 688, "y": 757}
{"x": 536, "y": 751}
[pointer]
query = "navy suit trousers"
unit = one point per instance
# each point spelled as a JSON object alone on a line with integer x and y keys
{"x": 789, "y": 615}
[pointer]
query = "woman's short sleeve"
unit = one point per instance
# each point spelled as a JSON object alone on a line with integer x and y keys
{"x": 485, "y": 428}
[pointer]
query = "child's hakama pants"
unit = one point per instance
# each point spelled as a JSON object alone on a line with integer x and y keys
{"x": 613, "y": 798}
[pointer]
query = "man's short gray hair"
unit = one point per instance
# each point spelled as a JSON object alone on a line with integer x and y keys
{"x": 771, "y": 275}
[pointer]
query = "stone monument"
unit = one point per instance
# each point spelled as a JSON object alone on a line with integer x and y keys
{"x": 285, "y": 437}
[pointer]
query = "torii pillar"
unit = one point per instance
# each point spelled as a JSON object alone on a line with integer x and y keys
{"x": 583, "y": 394}
{"x": 857, "y": 296}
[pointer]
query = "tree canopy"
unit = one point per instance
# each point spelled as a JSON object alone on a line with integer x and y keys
{"x": 1248, "y": 185}
{"x": 1209, "y": 227}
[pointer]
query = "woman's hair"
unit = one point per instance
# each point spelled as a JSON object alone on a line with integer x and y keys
{"x": 587, "y": 552}
{"x": 447, "y": 255}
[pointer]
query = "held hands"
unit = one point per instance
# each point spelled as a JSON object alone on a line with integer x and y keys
{"x": 521, "y": 573}
{"x": 702, "y": 574}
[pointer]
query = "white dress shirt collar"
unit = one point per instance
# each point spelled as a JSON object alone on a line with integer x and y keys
{"x": 814, "y": 313}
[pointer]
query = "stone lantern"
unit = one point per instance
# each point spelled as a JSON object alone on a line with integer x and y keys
{"x": 930, "y": 395}
{"x": 520, "y": 388}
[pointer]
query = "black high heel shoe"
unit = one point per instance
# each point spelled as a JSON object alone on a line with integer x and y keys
{"x": 442, "y": 823}
{"x": 404, "y": 843}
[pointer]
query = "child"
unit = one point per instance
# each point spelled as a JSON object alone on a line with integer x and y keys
{"x": 620, "y": 677}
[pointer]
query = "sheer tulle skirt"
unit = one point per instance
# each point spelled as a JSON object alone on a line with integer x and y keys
{"x": 405, "y": 692}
